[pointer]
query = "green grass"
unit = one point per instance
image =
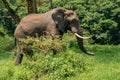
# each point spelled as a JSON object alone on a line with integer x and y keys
{"x": 6, "y": 47}
{"x": 105, "y": 65}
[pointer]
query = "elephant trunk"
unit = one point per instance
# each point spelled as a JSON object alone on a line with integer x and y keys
{"x": 81, "y": 45}
{"x": 79, "y": 36}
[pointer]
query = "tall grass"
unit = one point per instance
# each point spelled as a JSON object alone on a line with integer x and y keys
{"x": 105, "y": 64}
{"x": 69, "y": 64}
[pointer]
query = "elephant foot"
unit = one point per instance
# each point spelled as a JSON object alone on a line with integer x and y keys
{"x": 19, "y": 59}
{"x": 90, "y": 53}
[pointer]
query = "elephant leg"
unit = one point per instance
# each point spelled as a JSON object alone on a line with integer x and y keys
{"x": 28, "y": 51}
{"x": 18, "y": 59}
{"x": 54, "y": 52}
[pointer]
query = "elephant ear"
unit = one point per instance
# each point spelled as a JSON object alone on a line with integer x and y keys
{"x": 58, "y": 17}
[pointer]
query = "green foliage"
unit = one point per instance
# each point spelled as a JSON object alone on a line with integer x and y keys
{"x": 42, "y": 44}
{"x": 6, "y": 22}
{"x": 6, "y": 47}
{"x": 70, "y": 64}
{"x": 45, "y": 44}
{"x": 43, "y": 64}
{"x": 6, "y": 43}
{"x": 105, "y": 65}
{"x": 3, "y": 31}
{"x": 99, "y": 18}
{"x": 60, "y": 66}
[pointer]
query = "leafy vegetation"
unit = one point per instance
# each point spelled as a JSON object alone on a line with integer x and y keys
{"x": 99, "y": 19}
{"x": 69, "y": 64}
{"x": 63, "y": 65}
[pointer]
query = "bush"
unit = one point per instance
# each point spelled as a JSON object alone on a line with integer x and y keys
{"x": 65, "y": 64}
{"x": 61, "y": 66}
{"x": 99, "y": 18}
{"x": 6, "y": 23}
{"x": 42, "y": 44}
{"x": 6, "y": 43}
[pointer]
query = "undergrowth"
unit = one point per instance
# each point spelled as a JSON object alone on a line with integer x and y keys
{"x": 43, "y": 64}
{"x": 68, "y": 64}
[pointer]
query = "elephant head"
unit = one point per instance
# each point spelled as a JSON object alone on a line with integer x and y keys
{"x": 68, "y": 20}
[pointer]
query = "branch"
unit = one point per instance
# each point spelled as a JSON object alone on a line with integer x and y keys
{"x": 11, "y": 11}
{"x": 19, "y": 7}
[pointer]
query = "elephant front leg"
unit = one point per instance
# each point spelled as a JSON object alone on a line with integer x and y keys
{"x": 18, "y": 59}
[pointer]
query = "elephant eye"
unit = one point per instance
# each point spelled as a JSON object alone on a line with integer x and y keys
{"x": 70, "y": 14}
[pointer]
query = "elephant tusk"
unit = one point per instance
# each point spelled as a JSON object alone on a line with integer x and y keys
{"x": 81, "y": 36}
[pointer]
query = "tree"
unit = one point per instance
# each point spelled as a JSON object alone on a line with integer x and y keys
{"x": 31, "y": 6}
{"x": 51, "y": 4}
{"x": 11, "y": 11}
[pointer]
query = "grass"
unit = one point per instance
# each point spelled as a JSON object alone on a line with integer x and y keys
{"x": 105, "y": 65}
{"x": 6, "y": 46}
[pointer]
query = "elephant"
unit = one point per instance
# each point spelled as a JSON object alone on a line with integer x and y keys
{"x": 55, "y": 22}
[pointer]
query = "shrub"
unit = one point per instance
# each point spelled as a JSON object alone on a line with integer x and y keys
{"x": 65, "y": 64}
{"x": 42, "y": 44}
{"x": 61, "y": 66}
{"x": 6, "y": 43}
{"x": 6, "y": 22}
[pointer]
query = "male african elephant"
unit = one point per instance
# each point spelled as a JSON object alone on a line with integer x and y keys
{"x": 55, "y": 22}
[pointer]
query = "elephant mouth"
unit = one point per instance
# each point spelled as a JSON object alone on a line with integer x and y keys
{"x": 74, "y": 29}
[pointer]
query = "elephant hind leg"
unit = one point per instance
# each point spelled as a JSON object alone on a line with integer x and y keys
{"x": 28, "y": 51}
{"x": 18, "y": 59}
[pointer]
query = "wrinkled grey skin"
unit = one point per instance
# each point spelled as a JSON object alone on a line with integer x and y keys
{"x": 54, "y": 22}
